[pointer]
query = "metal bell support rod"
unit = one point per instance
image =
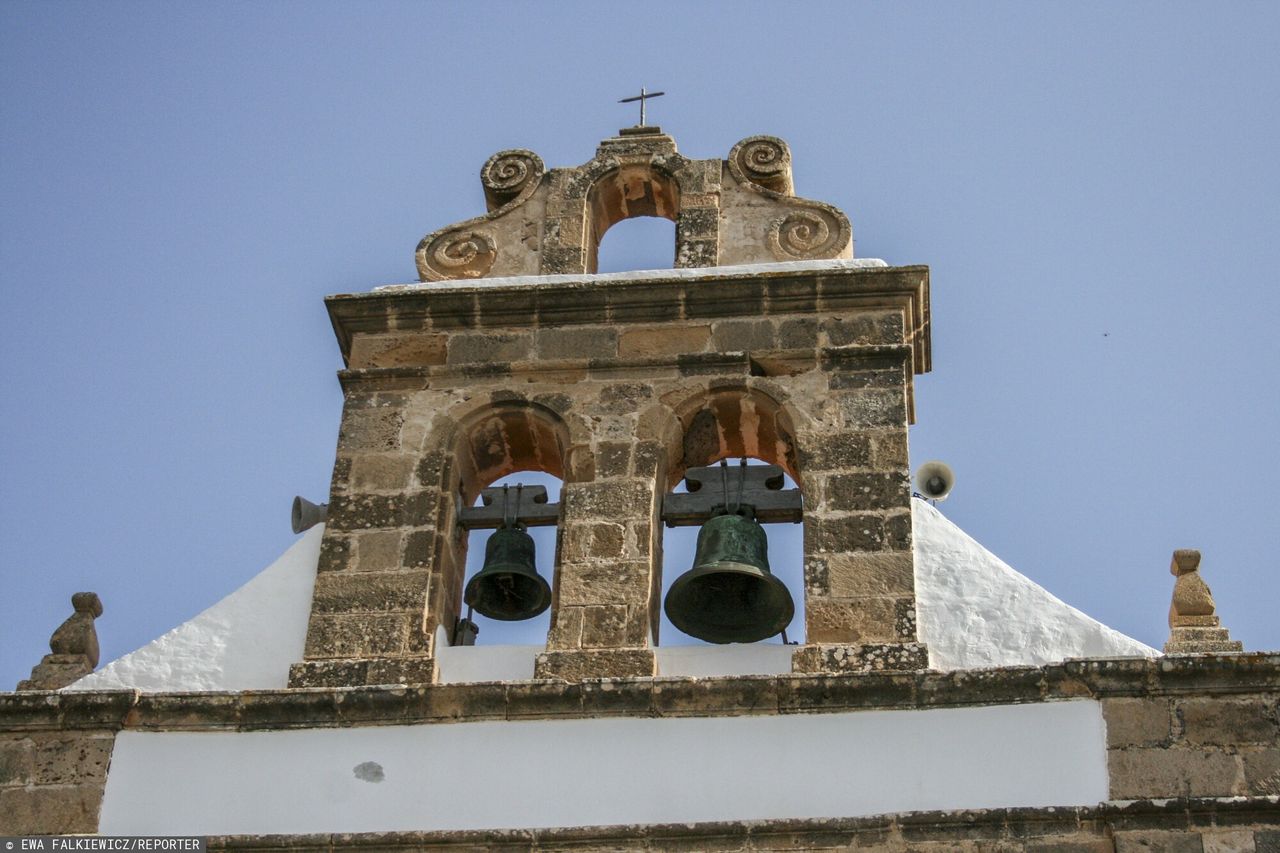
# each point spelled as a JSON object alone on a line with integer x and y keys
{"x": 508, "y": 586}
{"x": 730, "y": 595}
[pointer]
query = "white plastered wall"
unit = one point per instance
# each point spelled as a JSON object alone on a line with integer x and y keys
{"x": 543, "y": 773}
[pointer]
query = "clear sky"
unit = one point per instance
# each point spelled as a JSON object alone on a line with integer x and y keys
{"x": 1094, "y": 185}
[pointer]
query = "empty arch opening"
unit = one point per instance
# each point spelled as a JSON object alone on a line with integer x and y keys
{"x": 642, "y": 243}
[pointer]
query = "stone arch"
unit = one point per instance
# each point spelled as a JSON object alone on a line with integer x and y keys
{"x": 732, "y": 421}
{"x": 625, "y": 192}
{"x": 504, "y": 437}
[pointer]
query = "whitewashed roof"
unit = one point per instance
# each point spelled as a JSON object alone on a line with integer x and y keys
{"x": 974, "y": 611}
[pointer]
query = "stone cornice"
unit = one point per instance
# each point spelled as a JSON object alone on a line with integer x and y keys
{"x": 640, "y": 298}
{"x": 645, "y": 697}
{"x": 1011, "y": 825}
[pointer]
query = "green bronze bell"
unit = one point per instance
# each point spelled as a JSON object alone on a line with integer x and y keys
{"x": 729, "y": 596}
{"x": 508, "y": 586}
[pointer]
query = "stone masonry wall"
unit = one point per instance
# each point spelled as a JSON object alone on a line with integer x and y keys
{"x": 616, "y": 388}
{"x": 54, "y": 760}
{"x": 1194, "y": 746}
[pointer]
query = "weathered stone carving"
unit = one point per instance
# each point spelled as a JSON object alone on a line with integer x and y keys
{"x": 1194, "y": 626}
{"x": 508, "y": 175}
{"x": 764, "y": 161}
{"x": 539, "y": 222}
{"x": 74, "y": 647}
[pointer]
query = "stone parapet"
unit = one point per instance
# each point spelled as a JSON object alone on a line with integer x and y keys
{"x": 1226, "y": 679}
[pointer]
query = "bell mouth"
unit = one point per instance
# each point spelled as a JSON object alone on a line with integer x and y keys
{"x": 729, "y": 602}
{"x": 508, "y": 596}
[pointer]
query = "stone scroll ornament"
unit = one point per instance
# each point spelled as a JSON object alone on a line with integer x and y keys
{"x": 810, "y": 230}
{"x": 469, "y": 249}
{"x": 737, "y": 211}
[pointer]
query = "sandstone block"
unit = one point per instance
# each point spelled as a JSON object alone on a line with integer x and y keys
{"x": 487, "y": 347}
{"x": 843, "y": 533}
{"x": 625, "y": 396}
{"x": 863, "y": 328}
{"x": 410, "y": 670}
{"x": 348, "y": 672}
{"x": 798, "y": 333}
{"x": 356, "y": 635}
{"x": 1137, "y": 722}
{"x": 609, "y": 582}
{"x": 862, "y": 620}
{"x": 591, "y": 342}
{"x": 377, "y": 551}
{"x": 17, "y": 760}
{"x": 419, "y": 548}
{"x": 576, "y": 666}
{"x": 1149, "y": 773}
{"x": 843, "y": 379}
{"x": 397, "y": 350}
{"x": 1157, "y": 841}
{"x": 868, "y": 574}
{"x": 70, "y": 758}
{"x": 335, "y": 553}
{"x": 610, "y": 500}
{"x": 871, "y": 657}
{"x": 408, "y": 509}
{"x": 869, "y": 491}
{"x": 370, "y": 429}
{"x": 872, "y": 408}
{"x": 613, "y": 459}
{"x": 1228, "y": 841}
{"x": 834, "y": 451}
{"x": 743, "y": 336}
{"x": 590, "y": 540}
{"x": 347, "y": 592}
{"x": 380, "y": 472}
{"x": 566, "y": 626}
{"x": 1262, "y": 771}
{"x": 1224, "y": 721}
{"x": 51, "y": 809}
{"x": 604, "y": 626}
{"x": 663, "y": 341}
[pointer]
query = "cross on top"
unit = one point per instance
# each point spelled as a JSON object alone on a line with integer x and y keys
{"x": 641, "y": 98}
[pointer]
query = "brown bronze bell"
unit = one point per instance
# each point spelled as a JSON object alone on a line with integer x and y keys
{"x": 729, "y": 596}
{"x": 508, "y": 586}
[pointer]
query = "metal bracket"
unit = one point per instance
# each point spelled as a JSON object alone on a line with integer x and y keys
{"x": 521, "y": 504}
{"x": 722, "y": 488}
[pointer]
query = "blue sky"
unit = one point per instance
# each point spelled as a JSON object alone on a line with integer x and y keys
{"x": 1094, "y": 185}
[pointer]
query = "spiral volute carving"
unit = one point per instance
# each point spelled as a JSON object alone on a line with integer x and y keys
{"x": 461, "y": 254}
{"x": 764, "y": 161}
{"x": 809, "y": 234}
{"x": 507, "y": 174}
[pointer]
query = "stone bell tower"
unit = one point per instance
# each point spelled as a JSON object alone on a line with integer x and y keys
{"x": 766, "y": 340}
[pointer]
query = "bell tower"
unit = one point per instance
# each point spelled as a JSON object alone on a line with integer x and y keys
{"x": 766, "y": 340}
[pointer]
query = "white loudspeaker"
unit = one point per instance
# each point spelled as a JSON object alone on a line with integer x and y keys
{"x": 935, "y": 480}
{"x": 305, "y": 514}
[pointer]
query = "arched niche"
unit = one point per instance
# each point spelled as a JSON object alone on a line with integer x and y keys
{"x": 729, "y": 423}
{"x": 508, "y": 437}
{"x": 625, "y": 193}
{"x": 490, "y": 444}
{"x": 732, "y": 423}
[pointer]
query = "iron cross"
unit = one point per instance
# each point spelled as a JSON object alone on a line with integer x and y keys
{"x": 641, "y": 98}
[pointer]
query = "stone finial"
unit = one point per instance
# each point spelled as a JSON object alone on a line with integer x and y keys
{"x": 1194, "y": 626}
{"x": 73, "y": 646}
{"x": 739, "y": 210}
